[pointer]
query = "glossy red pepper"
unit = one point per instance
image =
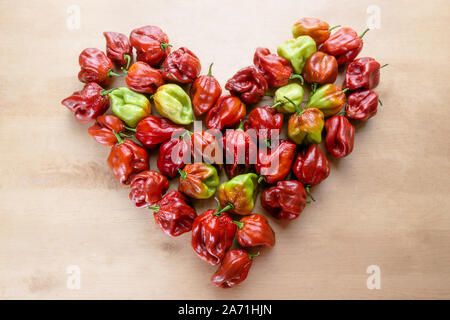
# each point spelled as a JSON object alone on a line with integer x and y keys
{"x": 212, "y": 235}
{"x": 274, "y": 164}
{"x": 344, "y": 44}
{"x": 152, "y": 131}
{"x": 151, "y": 44}
{"x": 263, "y": 120}
{"x": 240, "y": 151}
{"x": 88, "y": 103}
{"x": 311, "y": 166}
{"x": 234, "y": 268}
{"x": 118, "y": 48}
{"x": 362, "y": 105}
{"x": 173, "y": 155}
{"x": 182, "y": 66}
{"x": 249, "y": 84}
{"x": 206, "y": 148}
{"x": 104, "y": 127}
{"x": 143, "y": 78}
{"x": 127, "y": 159}
{"x": 173, "y": 214}
{"x": 147, "y": 188}
{"x": 254, "y": 230}
{"x": 204, "y": 93}
{"x": 320, "y": 68}
{"x": 363, "y": 73}
{"x": 340, "y": 136}
{"x": 227, "y": 112}
{"x": 95, "y": 67}
{"x": 275, "y": 69}
{"x": 286, "y": 200}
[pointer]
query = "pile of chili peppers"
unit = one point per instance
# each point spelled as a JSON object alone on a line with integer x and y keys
{"x": 285, "y": 169}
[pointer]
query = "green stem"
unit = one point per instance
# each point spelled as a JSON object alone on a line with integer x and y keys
{"x": 154, "y": 208}
{"x": 261, "y": 179}
{"x": 381, "y": 102}
{"x": 152, "y": 96}
{"x": 345, "y": 90}
{"x": 314, "y": 87}
{"x": 128, "y": 58}
{"x": 334, "y": 27}
{"x": 297, "y": 76}
{"x": 241, "y": 125}
{"x": 123, "y": 135}
{"x": 130, "y": 129}
{"x": 268, "y": 142}
{"x": 239, "y": 224}
{"x": 365, "y": 31}
{"x": 182, "y": 174}
{"x": 384, "y": 65}
{"x": 308, "y": 192}
{"x": 210, "y": 69}
{"x": 105, "y": 92}
{"x": 252, "y": 255}
{"x": 226, "y": 208}
{"x": 165, "y": 45}
{"x": 111, "y": 73}
{"x": 186, "y": 133}
{"x": 297, "y": 108}
{"x": 276, "y": 104}
{"x": 118, "y": 137}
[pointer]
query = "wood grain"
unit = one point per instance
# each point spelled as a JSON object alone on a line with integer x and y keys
{"x": 387, "y": 204}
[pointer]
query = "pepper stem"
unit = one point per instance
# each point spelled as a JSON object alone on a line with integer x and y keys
{"x": 105, "y": 92}
{"x": 210, "y": 69}
{"x": 127, "y": 57}
{"x": 118, "y": 137}
{"x": 186, "y": 133}
{"x": 276, "y": 104}
{"x": 152, "y": 96}
{"x": 365, "y": 31}
{"x": 226, "y": 208}
{"x": 239, "y": 224}
{"x": 241, "y": 125}
{"x": 130, "y": 129}
{"x": 261, "y": 179}
{"x": 334, "y": 27}
{"x": 252, "y": 255}
{"x": 345, "y": 90}
{"x": 297, "y": 108}
{"x": 384, "y": 65}
{"x": 308, "y": 192}
{"x": 123, "y": 135}
{"x": 182, "y": 174}
{"x": 381, "y": 102}
{"x": 165, "y": 45}
{"x": 154, "y": 208}
{"x": 314, "y": 87}
{"x": 111, "y": 73}
{"x": 297, "y": 76}
{"x": 268, "y": 142}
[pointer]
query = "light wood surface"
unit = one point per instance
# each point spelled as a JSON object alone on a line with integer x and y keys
{"x": 387, "y": 204}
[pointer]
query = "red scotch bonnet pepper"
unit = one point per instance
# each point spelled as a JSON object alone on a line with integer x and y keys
{"x": 204, "y": 93}
{"x": 174, "y": 154}
{"x": 274, "y": 164}
{"x": 151, "y": 44}
{"x": 275, "y": 69}
{"x": 143, "y": 78}
{"x": 227, "y": 112}
{"x": 363, "y": 73}
{"x": 182, "y": 66}
{"x": 340, "y": 136}
{"x": 362, "y": 105}
{"x": 152, "y": 131}
{"x": 95, "y": 67}
{"x": 311, "y": 166}
{"x": 254, "y": 230}
{"x": 118, "y": 48}
{"x": 147, "y": 188}
{"x": 105, "y": 128}
{"x": 249, "y": 84}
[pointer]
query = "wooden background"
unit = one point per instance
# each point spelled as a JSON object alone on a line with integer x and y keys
{"x": 387, "y": 204}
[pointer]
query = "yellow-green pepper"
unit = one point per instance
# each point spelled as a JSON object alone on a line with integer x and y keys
{"x": 293, "y": 91}
{"x": 129, "y": 106}
{"x": 329, "y": 99}
{"x": 173, "y": 103}
{"x": 239, "y": 193}
{"x": 297, "y": 51}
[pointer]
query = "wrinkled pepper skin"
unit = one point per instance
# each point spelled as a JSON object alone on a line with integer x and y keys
{"x": 205, "y": 147}
{"x": 127, "y": 159}
{"x": 143, "y": 78}
{"x": 233, "y": 270}
{"x": 227, "y": 112}
{"x": 315, "y": 28}
{"x": 240, "y": 152}
{"x": 204, "y": 93}
{"x": 340, "y": 136}
{"x": 275, "y": 69}
{"x": 182, "y": 66}
{"x": 254, "y": 230}
{"x": 152, "y": 131}
{"x": 151, "y": 44}
{"x": 293, "y": 91}
{"x": 311, "y": 166}
{"x": 95, "y": 67}
{"x": 173, "y": 214}
{"x": 147, "y": 188}
{"x": 286, "y": 200}
{"x": 263, "y": 120}
{"x": 212, "y": 236}
{"x": 240, "y": 192}
{"x": 363, "y": 73}
{"x": 306, "y": 128}
{"x": 198, "y": 180}
{"x": 344, "y": 45}
{"x": 129, "y": 106}
{"x": 180, "y": 148}
{"x": 320, "y": 68}
{"x": 297, "y": 51}
{"x": 329, "y": 99}
{"x": 173, "y": 103}
{"x": 118, "y": 48}
{"x": 362, "y": 105}
{"x": 249, "y": 84}
{"x": 102, "y": 129}
{"x": 276, "y": 163}
{"x": 88, "y": 103}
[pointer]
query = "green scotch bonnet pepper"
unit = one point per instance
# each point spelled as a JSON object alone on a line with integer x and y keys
{"x": 297, "y": 51}
{"x": 129, "y": 106}
{"x": 173, "y": 103}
